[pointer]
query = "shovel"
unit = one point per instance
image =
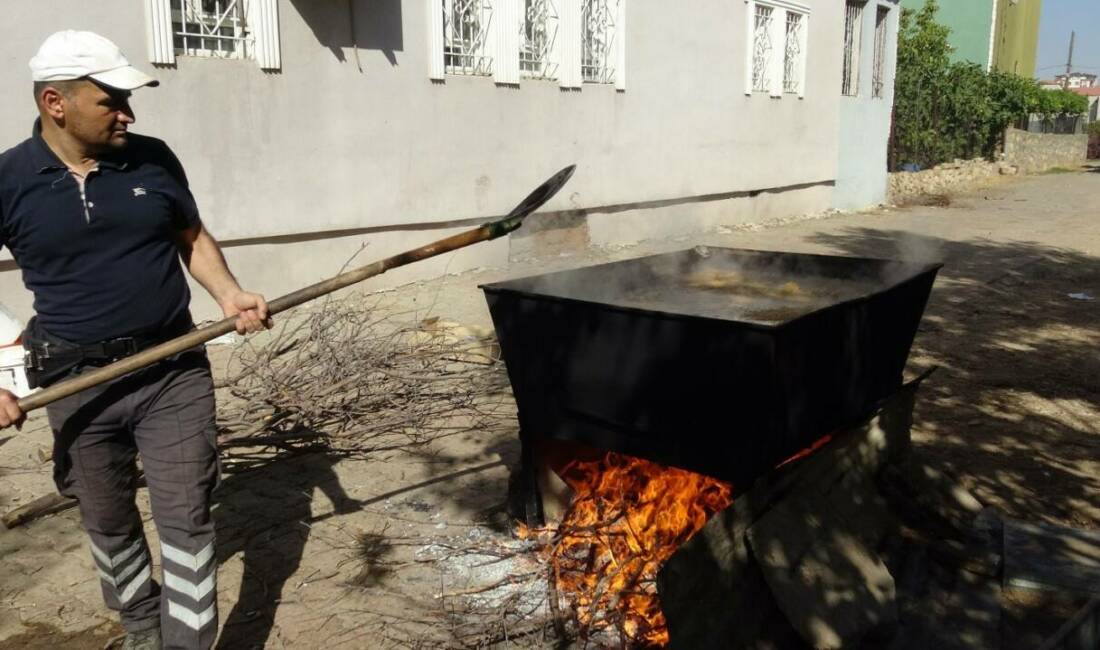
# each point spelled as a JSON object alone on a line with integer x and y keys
{"x": 489, "y": 231}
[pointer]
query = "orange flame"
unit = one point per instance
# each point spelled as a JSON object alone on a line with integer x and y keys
{"x": 627, "y": 517}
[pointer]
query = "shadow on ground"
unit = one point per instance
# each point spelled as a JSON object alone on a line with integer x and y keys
{"x": 266, "y": 514}
{"x": 1014, "y": 412}
{"x": 1013, "y": 409}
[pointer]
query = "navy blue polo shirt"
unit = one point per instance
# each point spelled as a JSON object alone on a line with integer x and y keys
{"x": 103, "y": 264}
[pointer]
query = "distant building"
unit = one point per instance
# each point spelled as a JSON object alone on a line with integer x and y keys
{"x": 996, "y": 34}
{"x": 1092, "y": 93}
{"x": 1016, "y": 35}
{"x": 1075, "y": 80}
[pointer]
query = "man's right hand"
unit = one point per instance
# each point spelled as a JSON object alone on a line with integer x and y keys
{"x": 10, "y": 413}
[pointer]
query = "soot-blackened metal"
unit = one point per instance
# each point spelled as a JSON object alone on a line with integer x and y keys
{"x": 724, "y": 394}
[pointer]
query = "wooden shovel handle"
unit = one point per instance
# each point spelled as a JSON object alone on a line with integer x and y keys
{"x": 539, "y": 196}
{"x": 202, "y": 335}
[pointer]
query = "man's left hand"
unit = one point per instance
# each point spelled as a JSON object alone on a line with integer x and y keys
{"x": 250, "y": 310}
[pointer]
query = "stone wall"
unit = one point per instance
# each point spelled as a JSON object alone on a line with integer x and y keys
{"x": 944, "y": 178}
{"x": 1038, "y": 152}
{"x": 1024, "y": 152}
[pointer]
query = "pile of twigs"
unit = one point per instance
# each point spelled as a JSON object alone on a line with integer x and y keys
{"x": 357, "y": 378}
{"x": 495, "y": 591}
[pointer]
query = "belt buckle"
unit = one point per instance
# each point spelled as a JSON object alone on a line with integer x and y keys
{"x": 129, "y": 347}
{"x": 35, "y": 354}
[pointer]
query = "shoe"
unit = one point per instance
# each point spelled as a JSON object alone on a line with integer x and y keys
{"x": 143, "y": 640}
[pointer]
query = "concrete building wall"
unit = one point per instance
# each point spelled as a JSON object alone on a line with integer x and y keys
{"x": 971, "y": 23}
{"x": 295, "y": 170}
{"x": 865, "y": 120}
{"x": 996, "y": 34}
{"x": 1016, "y": 36}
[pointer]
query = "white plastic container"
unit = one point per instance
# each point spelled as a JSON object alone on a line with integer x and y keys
{"x": 12, "y": 375}
{"x": 10, "y": 327}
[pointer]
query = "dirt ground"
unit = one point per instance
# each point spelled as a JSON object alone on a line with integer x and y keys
{"x": 321, "y": 551}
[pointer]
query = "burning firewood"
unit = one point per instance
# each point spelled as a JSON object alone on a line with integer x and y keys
{"x": 628, "y": 516}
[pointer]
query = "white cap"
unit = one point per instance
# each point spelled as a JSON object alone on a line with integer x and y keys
{"x": 71, "y": 54}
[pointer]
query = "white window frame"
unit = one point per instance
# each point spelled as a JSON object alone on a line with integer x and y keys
{"x": 506, "y": 38}
{"x": 600, "y": 60}
{"x": 540, "y": 40}
{"x": 468, "y": 49}
{"x": 201, "y": 33}
{"x": 255, "y": 25}
{"x": 794, "y": 64}
{"x": 777, "y": 84}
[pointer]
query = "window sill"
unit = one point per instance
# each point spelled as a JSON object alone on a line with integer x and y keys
{"x": 765, "y": 93}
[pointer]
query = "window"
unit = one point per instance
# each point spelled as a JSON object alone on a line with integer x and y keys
{"x": 223, "y": 29}
{"x": 213, "y": 28}
{"x": 598, "y": 41}
{"x": 538, "y": 53}
{"x": 878, "y": 75}
{"x": 762, "y": 48}
{"x": 776, "y": 41}
{"x": 792, "y": 55}
{"x": 466, "y": 26}
{"x": 853, "y": 19}
{"x": 573, "y": 41}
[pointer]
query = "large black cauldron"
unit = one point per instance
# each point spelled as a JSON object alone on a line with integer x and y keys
{"x": 720, "y": 361}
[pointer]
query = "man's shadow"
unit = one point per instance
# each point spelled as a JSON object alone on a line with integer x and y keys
{"x": 266, "y": 513}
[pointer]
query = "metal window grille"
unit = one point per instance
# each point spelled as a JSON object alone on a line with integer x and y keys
{"x": 878, "y": 77}
{"x": 792, "y": 55}
{"x": 761, "y": 48}
{"x": 210, "y": 28}
{"x": 598, "y": 41}
{"x": 853, "y": 17}
{"x": 538, "y": 40}
{"x": 465, "y": 37}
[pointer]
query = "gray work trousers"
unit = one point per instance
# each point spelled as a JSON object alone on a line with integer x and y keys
{"x": 165, "y": 413}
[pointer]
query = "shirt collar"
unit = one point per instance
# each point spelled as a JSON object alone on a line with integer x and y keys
{"x": 112, "y": 162}
{"x": 45, "y": 160}
{"x": 42, "y": 156}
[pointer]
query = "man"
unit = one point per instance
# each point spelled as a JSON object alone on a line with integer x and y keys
{"x": 97, "y": 219}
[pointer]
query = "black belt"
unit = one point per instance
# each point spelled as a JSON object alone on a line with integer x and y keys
{"x": 39, "y": 355}
{"x": 46, "y": 355}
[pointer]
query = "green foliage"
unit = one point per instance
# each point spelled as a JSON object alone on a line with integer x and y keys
{"x": 1062, "y": 102}
{"x": 921, "y": 71}
{"x": 945, "y": 110}
{"x": 1094, "y": 128}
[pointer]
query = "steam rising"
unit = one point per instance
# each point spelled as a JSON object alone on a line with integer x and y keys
{"x": 728, "y": 284}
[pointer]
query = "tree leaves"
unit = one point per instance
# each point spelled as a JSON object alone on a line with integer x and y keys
{"x": 945, "y": 110}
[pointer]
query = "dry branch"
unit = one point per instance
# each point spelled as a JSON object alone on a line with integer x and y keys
{"x": 351, "y": 378}
{"x": 359, "y": 380}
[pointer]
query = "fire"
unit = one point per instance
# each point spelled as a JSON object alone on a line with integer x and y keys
{"x": 627, "y": 517}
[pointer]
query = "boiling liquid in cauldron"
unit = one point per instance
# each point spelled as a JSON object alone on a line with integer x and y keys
{"x": 717, "y": 288}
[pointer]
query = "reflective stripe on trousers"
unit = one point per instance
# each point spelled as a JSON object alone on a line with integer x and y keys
{"x": 165, "y": 413}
